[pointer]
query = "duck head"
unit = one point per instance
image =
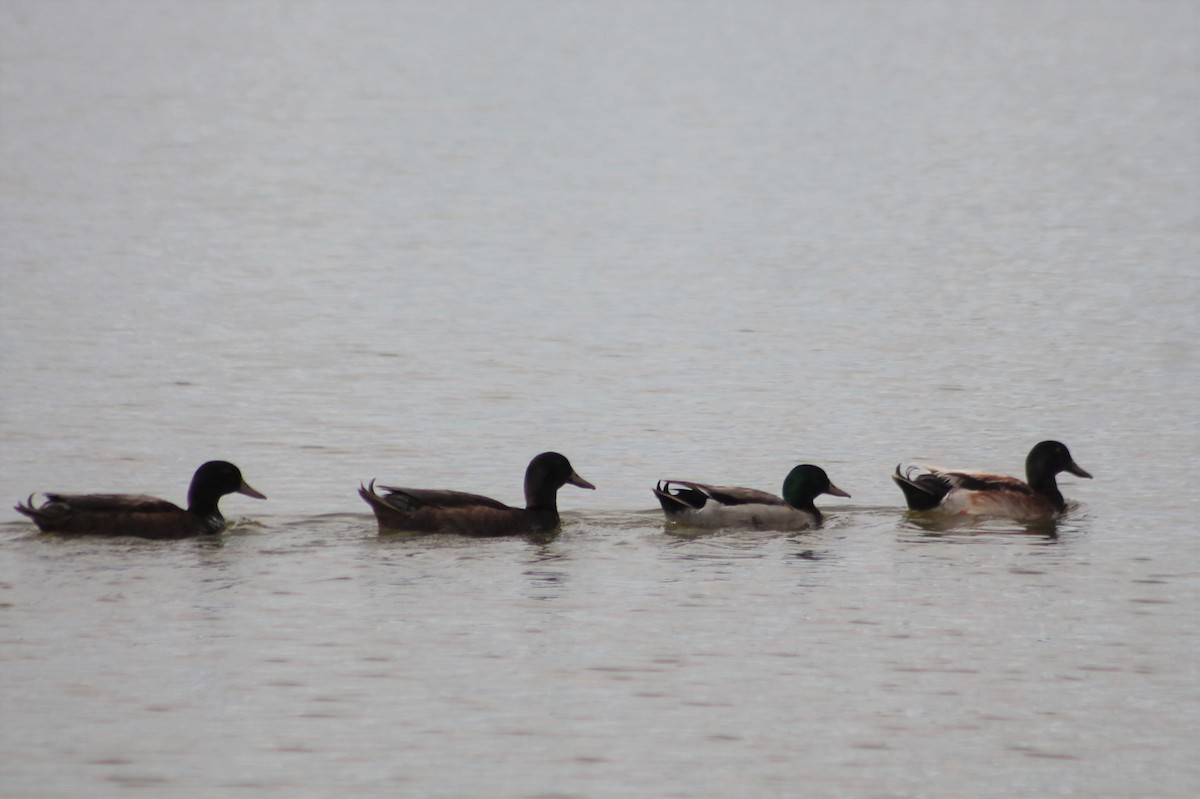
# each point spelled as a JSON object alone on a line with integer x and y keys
{"x": 546, "y": 474}
{"x": 805, "y": 483}
{"x": 1047, "y": 459}
{"x": 214, "y": 480}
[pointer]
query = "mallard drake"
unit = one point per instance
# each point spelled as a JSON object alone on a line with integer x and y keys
{"x": 143, "y": 516}
{"x": 966, "y": 493}
{"x": 438, "y": 511}
{"x": 704, "y": 505}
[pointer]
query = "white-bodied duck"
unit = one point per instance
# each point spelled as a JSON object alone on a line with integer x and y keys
{"x": 702, "y": 505}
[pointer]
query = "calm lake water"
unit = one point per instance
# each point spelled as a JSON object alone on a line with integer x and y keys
{"x": 425, "y": 241}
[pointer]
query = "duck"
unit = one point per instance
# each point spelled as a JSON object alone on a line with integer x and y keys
{"x": 441, "y": 511}
{"x": 947, "y": 492}
{"x": 143, "y": 516}
{"x": 703, "y": 505}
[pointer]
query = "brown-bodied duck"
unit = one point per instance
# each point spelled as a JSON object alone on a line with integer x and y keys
{"x": 143, "y": 516}
{"x": 440, "y": 511}
{"x": 965, "y": 493}
{"x": 702, "y": 505}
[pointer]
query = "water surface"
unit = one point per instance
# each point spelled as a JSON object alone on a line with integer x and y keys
{"x": 417, "y": 242}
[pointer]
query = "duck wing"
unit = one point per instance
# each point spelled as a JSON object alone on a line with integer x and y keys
{"x": 415, "y": 498}
{"x": 435, "y": 511}
{"x": 696, "y": 495}
{"x": 738, "y": 495}
{"x": 981, "y": 481}
{"x": 117, "y": 514}
{"x": 111, "y": 503}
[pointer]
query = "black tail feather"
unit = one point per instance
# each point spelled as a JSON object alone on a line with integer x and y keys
{"x": 28, "y": 509}
{"x": 924, "y": 492}
{"x": 679, "y": 500}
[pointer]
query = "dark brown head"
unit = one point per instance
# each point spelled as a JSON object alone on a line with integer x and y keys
{"x": 214, "y": 480}
{"x": 1049, "y": 458}
{"x": 546, "y": 474}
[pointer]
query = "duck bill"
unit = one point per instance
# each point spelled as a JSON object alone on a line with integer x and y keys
{"x": 249, "y": 491}
{"x": 837, "y": 492}
{"x": 1078, "y": 471}
{"x": 576, "y": 480}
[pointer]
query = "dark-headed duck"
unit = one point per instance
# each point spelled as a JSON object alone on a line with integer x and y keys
{"x": 965, "y": 493}
{"x": 439, "y": 511}
{"x": 143, "y": 516}
{"x": 704, "y": 505}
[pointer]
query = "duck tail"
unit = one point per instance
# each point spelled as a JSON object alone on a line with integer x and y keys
{"x": 368, "y": 494}
{"x": 26, "y": 508}
{"x": 49, "y": 517}
{"x": 682, "y": 498}
{"x": 378, "y": 505}
{"x": 395, "y": 501}
{"x": 922, "y": 492}
{"x": 669, "y": 503}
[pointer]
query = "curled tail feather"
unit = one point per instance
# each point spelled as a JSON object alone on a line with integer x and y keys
{"x": 27, "y": 508}
{"x": 922, "y": 492}
{"x": 679, "y": 497}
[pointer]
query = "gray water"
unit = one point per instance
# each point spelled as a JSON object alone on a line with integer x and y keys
{"x": 423, "y": 242}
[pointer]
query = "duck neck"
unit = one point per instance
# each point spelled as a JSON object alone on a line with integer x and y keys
{"x": 798, "y": 493}
{"x": 543, "y": 498}
{"x": 1042, "y": 480}
{"x": 806, "y": 504}
{"x": 203, "y": 504}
